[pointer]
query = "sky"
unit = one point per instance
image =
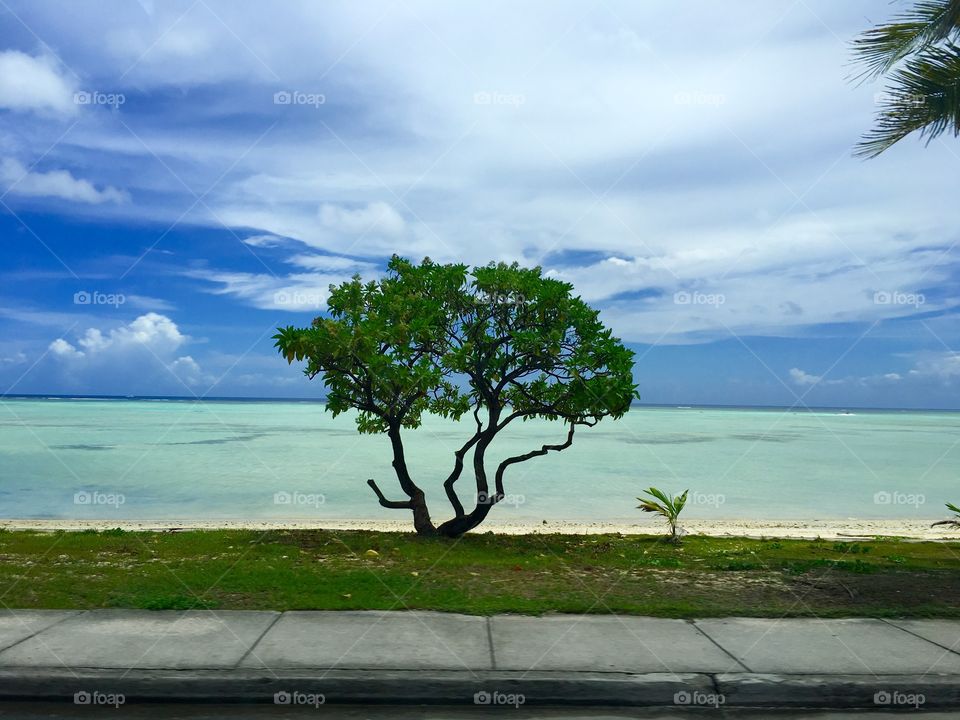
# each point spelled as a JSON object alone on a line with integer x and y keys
{"x": 179, "y": 178}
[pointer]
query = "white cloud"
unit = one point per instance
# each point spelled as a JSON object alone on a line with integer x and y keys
{"x": 943, "y": 366}
{"x": 600, "y": 156}
{"x": 146, "y": 357}
{"x": 55, "y": 183}
{"x": 294, "y": 292}
{"x": 152, "y": 331}
{"x": 15, "y": 359}
{"x": 800, "y": 377}
{"x": 33, "y": 83}
{"x": 375, "y": 217}
{"x": 140, "y": 356}
{"x": 263, "y": 241}
{"x": 188, "y": 370}
{"x": 932, "y": 369}
{"x": 62, "y": 348}
{"x": 146, "y": 302}
{"x": 297, "y": 292}
{"x": 805, "y": 379}
{"x": 334, "y": 263}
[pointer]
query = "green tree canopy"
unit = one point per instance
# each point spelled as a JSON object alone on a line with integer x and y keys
{"x": 500, "y": 342}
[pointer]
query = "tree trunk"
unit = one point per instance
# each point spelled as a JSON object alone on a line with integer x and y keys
{"x": 421, "y": 516}
{"x": 462, "y": 524}
{"x": 418, "y": 502}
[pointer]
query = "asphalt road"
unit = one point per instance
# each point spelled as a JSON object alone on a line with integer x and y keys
{"x": 49, "y": 711}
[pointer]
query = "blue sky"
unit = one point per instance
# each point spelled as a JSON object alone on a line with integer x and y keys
{"x": 179, "y": 178}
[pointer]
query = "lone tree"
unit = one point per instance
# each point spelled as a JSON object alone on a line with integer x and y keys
{"x": 500, "y": 342}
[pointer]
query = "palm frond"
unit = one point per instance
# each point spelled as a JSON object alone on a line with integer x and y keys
{"x": 951, "y": 523}
{"x": 680, "y": 501}
{"x": 660, "y": 495}
{"x": 669, "y": 507}
{"x": 924, "y": 96}
{"x": 927, "y": 23}
{"x": 650, "y": 506}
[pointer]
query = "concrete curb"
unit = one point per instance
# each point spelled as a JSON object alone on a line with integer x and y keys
{"x": 341, "y": 686}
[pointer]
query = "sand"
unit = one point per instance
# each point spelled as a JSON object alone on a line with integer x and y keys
{"x": 831, "y": 528}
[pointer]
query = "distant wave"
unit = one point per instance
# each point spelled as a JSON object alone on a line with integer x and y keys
{"x": 82, "y": 447}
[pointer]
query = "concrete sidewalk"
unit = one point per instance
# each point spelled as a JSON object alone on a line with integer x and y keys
{"x": 115, "y": 657}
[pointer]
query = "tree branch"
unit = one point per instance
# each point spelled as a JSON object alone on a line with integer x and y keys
{"x": 395, "y": 504}
{"x": 456, "y": 472}
{"x": 498, "y": 478}
{"x": 458, "y": 465}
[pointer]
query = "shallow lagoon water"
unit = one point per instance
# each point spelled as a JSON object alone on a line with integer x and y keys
{"x": 274, "y": 460}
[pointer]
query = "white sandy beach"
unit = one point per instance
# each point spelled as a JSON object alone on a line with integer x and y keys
{"x": 832, "y": 529}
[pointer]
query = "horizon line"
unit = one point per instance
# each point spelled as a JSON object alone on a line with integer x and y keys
{"x": 672, "y": 405}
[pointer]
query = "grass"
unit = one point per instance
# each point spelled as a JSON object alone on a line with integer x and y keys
{"x": 481, "y": 574}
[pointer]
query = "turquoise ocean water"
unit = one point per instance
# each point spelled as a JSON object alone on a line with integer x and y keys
{"x": 275, "y": 460}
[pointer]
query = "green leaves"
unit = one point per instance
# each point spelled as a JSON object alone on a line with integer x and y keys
{"x": 919, "y": 52}
{"x": 927, "y": 23}
{"x": 435, "y": 338}
{"x": 953, "y": 522}
{"x": 379, "y": 352}
{"x": 669, "y": 507}
{"x": 924, "y": 97}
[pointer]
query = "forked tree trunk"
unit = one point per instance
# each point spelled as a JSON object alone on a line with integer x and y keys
{"x": 417, "y": 502}
{"x": 421, "y": 516}
{"x": 462, "y": 522}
